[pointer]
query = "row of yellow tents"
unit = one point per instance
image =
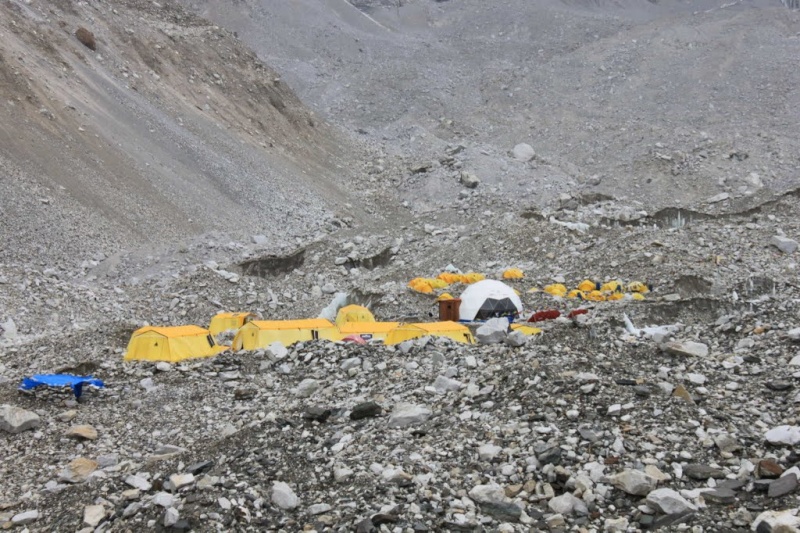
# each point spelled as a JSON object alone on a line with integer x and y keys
{"x": 598, "y": 292}
{"x": 176, "y": 343}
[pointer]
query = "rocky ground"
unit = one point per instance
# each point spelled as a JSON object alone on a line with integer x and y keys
{"x": 674, "y": 413}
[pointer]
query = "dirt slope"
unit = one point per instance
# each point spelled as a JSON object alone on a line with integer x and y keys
{"x": 168, "y": 129}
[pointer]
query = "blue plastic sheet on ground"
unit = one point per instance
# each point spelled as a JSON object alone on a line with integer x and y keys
{"x": 61, "y": 380}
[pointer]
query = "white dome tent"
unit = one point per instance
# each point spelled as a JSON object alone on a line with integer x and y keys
{"x": 488, "y": 299}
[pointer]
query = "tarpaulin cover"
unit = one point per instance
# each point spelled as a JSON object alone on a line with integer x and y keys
{"x": 61, "y": 380}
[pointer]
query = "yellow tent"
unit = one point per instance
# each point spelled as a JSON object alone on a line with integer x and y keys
{"x": 368, "y": 330}
{"x": 453, "y": 330}
{"x": 225, "y": 321}
{"x": 353, "y": 313}
{"x": 261, "y": 333}
{"x": 527, "y": 330}
{"x": 513, "y": 273}
{"x": 171, "y": 344}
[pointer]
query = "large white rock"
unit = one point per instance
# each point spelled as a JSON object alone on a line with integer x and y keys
{"x": 777, "y": 520}
{"x": 668, "y": 501}
{"x": 487, "y": 452}
{"x": 171, "y": 517}
{"x": 283, "y": 496}
{"x": 516, "y": 339}
{"x": 16, "y": 420}
{"x": 794, "y": 334}
{"x": 523, "y": 152}
{"x": 93, "y": 515}
{"x": 163, "y": 499}
{"x": 491, "y": 493}
{"x": 406, "y": 414}
{"x": 181, "y": 480}
{"x": 784, "y": 244}
{"x": 27, "y": 517}
{"x": 138, "y": 482}
{"x": 567, "y": 504}
{"x": 686, "y": 348}
{"x": 277, "y": 350}
{"x": 789, "y": 435}
{"x": 493, "y": 331}
{"x": 307, "y": 387}
{"x": 634, "y": 482}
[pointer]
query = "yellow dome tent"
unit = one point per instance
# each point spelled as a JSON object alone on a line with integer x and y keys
{"x": 587, "y": 285}
{"x": 556, "y": 289}
{"x": 444, "y": 296}
{"x": 513, "y": 273}
{"x": 261, "y": 333}
{"x": 171, "y": 344}
{"x": 453, "y": 330}
{"x": 227, "y": 321}
{"x": 527, "y": 330}
{"x": 353, "y": 313}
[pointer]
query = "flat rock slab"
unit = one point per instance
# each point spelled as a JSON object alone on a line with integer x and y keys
{"x": 782, "y": 486}
{"x": 703, "y": 472}
{"x": 686, "y": 349}
{"x": 719, "y": 495}
{"x": 82, "y": 432}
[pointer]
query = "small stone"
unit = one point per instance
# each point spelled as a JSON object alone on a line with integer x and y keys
{"x": 681, "y": 392}
{"x": 487, "y": 452}
{"x": 782, "y": 486}
{"x": 67, "y": 416}
{"x": 138, "y": 482}
{"x": 405, "y": 415}
{"x": 779, "y": 385}
{"x": 703, "y": 472}
{"x": 720, "y": 495}
{"x": 16, "y": 420}
{"x": 566, "y": 504}
{"x": 85, "y": 432}
{"x": 726, "y": 443}
{"x": 443, "y": 384}
{"x": 669, "y": 502}
{"x": 27, "y": 517}
{"x": 163, "y": 499}
{"x": 317, "y": 414}
{"x": 523, "y": 152}
{"x": 615, "y": 525}
{"x": 78, "y": 470}
{"x": 341, "y": 475}
{"x": 768, "y": 469}
{"x": 633, "y": 482}
{"x": 179, "y": 481}
{"x": 516, "y": 339}
{"x": 502, "y": 511}
{"x": 171, "y": 517}
{"x": 319, "y": 508}
{"x": 93, "y": 515}
{"x": 491, "y": 493}
{"x": 365, "y": 410}
{"x": 199, "y": 468}
{"x": 283, "y": 496}
{"x": 307, "y": 387}
{"x": 470, "y": 181}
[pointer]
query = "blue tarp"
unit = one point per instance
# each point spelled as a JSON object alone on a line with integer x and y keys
{"x": 61, "y": 380}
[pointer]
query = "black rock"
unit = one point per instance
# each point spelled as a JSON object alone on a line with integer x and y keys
{"x": 625, "y": 381}
{"x": 779, "y": 385}
{"x": 365, "y": 410}
{"x": 199, "y": 468}
{"x": 383, "y": 518}
{"x": 731, "y": 484}
{"x": 466, "y": 528}
{"x": 703, "y": 472}
{"x": 720, "y": 495}
{"x": 244, "y": 394}
{"x": 761, "y": 485}
{"x": 782, "y": 486}
{"x": 181, "y": 525}
{"x": 589, "y": 434}
{"x": 419, "y": 527}
{"x": 550, "y": 456}
{"x": 751, "y": 359}
{"x": 764, "y": 527}
{"x": 502, "y": 511}
{"x": 317, "y": 414}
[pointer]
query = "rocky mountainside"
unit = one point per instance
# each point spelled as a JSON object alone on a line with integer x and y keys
{"x": 163, "y": 128}
{"x": 172, "y": 160}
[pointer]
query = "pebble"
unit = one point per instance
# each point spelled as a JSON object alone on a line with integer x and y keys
{"x": 85, "y": 432}
{"x": 93, "y": 515}
{"x": 669, "y": 502}
{"x": 365, "y": 410}
{"x": 404, "y": 415}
